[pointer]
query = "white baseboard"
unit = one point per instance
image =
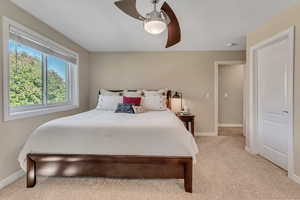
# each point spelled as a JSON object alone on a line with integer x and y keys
{"x": 12, "y": 178}
{"x": 231, "y": 125}
{"x": 295, "y": 178}
{"x": 248, "y": 150}
{"x": 206, "y": 134}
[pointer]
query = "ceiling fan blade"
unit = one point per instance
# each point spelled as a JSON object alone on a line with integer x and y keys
{"x": 174, "y": 31}
{"x": 129, "y": 7}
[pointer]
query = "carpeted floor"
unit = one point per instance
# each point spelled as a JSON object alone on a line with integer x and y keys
{"x": 230, "y": 131}
{"x": 223, "y": 171}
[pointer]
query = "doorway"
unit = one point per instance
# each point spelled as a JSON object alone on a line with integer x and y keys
{"x": 229, "y": 98}
{"x": 270, "y": 132}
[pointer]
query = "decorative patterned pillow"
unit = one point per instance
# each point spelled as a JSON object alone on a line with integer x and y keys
{"x": 124, "y": 108}
{"x": 109, "y": 102}
{"x": 138, "y": 109}
{"x": 132, "y": 100}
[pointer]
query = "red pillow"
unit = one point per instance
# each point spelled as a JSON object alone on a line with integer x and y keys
{"x": 132, "y": 100}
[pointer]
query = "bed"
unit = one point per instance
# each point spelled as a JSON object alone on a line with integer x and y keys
{"x": 97, "y": 143}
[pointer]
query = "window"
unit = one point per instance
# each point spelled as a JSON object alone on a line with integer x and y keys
{"x": 57, "y": 80}
{"x": 40, "y": 76}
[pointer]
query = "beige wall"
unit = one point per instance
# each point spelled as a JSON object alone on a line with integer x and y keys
{"x": 231, "y": 82}
{"x": 290, "y": 17}
{"x": 189, "y": 72}
{"x": 14, "y": 133}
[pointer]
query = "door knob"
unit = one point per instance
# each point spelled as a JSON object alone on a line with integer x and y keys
{"x": 285, "y": 111}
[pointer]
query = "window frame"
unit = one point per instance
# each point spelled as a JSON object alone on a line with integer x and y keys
{"x": 12, "y": 113}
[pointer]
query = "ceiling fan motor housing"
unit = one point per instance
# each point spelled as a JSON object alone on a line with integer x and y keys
{"x": 155, "y": 1}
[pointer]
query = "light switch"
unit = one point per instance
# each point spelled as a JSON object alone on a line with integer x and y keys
{"x": 207, "y": 96}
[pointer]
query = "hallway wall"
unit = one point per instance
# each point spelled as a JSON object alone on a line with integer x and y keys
{"x": 231, "y": 85}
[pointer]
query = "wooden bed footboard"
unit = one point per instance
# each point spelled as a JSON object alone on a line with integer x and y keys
{"x": 109, "y": 166}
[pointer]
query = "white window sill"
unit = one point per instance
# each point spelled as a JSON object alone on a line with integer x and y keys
{"x": 38, "y": 112}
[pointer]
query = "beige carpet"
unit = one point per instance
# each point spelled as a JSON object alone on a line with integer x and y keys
{"x": 223, "y": 171}
{"x": 230, "y": 131}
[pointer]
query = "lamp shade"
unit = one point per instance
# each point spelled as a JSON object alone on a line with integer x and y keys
{"x": 176, "y": 95}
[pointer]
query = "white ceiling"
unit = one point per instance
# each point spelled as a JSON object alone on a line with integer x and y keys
{"x": 98, "y": 25}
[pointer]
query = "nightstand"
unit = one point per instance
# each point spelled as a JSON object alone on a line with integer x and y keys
{"x": 188, "y": 120}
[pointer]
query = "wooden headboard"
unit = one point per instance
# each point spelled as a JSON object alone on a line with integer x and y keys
{"x": 169, "y": 96}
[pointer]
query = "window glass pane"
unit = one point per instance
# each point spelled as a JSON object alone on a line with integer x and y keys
{"x": 57, "y": 80}
{"x": 25, "y": 75}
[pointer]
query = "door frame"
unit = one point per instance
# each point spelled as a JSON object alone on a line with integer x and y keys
{"x": 252, "y": 130}
{"x": 216, "y": 77}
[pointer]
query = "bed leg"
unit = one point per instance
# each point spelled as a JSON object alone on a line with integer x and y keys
{"x": 31, "y": 172}
{"x": 188, "y": 177}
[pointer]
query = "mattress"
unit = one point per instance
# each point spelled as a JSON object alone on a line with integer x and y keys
{"x": 98, "y": 132}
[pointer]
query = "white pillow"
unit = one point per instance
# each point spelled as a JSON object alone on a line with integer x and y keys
{"x": 109, "y": 102}
{"x": 137, "y": 93}
{"x": 154, "y": 102}
{"x": 160, "y": 92}
{"x": 109, "y": 93}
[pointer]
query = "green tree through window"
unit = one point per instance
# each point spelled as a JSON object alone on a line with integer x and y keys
{"x": 56, "y": 80}
{"x": 26, "y": 77}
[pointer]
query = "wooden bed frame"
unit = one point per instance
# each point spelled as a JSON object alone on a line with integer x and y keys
{"x": 114, "y": 166}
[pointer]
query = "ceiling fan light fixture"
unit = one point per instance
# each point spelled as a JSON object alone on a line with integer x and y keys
{"x": 155, "y": 26}
{"x": 155, "y": 22}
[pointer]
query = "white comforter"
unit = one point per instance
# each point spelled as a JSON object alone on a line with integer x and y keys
{"x": 153, "y": 133}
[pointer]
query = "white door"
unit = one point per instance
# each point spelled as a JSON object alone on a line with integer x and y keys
{"x": 273, "y": 101}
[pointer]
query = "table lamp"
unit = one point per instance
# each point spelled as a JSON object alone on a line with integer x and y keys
{"x": 178, "y": 95}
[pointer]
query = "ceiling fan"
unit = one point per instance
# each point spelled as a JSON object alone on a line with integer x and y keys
{"x": 155, "y": 22}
